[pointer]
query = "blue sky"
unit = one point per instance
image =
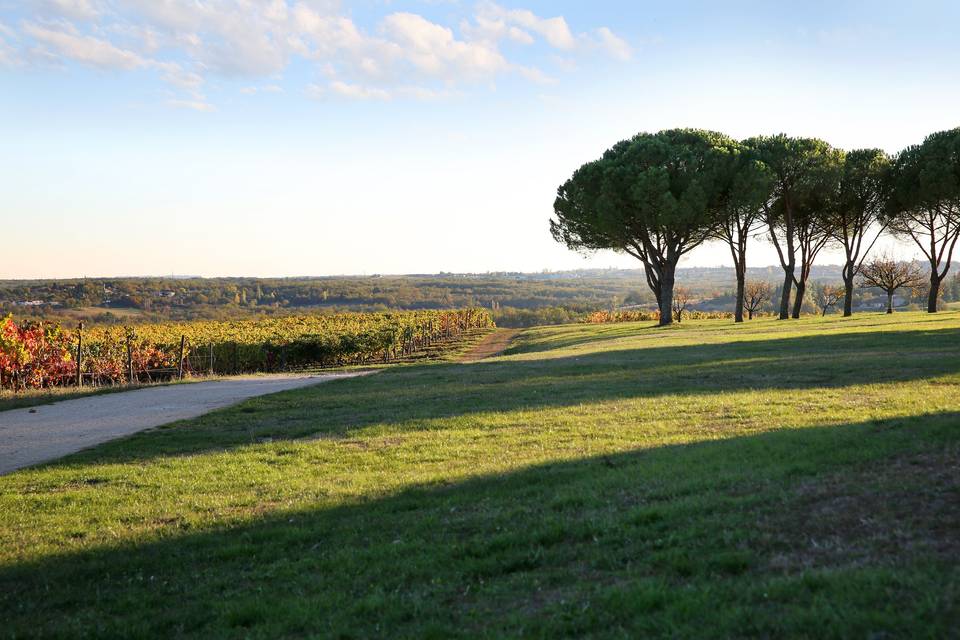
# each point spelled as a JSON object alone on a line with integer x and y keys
{"x": 242, "y": 137}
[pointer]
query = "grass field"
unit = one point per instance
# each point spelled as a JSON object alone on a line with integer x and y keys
{"x": 773, "y": 479}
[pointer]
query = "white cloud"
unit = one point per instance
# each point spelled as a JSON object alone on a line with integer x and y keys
{"x": 535, "y": 75}
{"x": 177, "y": 75}
{"x": 433, "y": 49}
{"x": 554, "y": 30}
{"x": 613, "y": 44}
{"x": 8, "y": 52}
{"x": 404, "y": 54}
{"x": 84, "y": 49}
{"x": 72, "y": 9}
{"x": 195, "y": 105}
{"x": 338, "y": 88}
{"x": 494, "y": 22}
{"x": 269, "y": 88}
{"x": 358, "y": 92}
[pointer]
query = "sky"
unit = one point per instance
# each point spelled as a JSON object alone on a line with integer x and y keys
{"x": 316, "y": 137}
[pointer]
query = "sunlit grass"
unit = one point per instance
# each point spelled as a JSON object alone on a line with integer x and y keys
{"x": 611, "y": 480}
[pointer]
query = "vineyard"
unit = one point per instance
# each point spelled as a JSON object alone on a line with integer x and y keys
{"x": 38, "y": 355}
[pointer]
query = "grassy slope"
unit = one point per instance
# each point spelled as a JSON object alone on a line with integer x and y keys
{"x": 769, "y": 479}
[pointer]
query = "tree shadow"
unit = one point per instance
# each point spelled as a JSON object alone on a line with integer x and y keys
{"x": 680, "y": 541}
{"x": 415, "y": 397}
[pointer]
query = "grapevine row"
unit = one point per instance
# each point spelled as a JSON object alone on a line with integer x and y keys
{"x": 42, "y": 354}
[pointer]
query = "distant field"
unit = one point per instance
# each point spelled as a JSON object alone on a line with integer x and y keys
{"x": 772, "y": 479}
{"x": 91, "y": 312}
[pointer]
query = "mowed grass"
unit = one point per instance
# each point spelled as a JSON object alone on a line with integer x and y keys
{"x": 773, "y": 479}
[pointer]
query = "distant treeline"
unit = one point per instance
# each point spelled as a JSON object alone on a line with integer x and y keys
{"x": 516, "y": 300}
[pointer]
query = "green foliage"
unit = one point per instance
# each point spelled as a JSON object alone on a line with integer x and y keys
{"x": 653, "y": 187}
{"x": 800, "y": 166}
{"x": 926, "y": 177}
{"x": 864, "y": 189}
{"x": 653, "y": 197}
{"x": 925, "y": 203}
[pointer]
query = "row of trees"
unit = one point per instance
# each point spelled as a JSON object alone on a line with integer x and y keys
{"x": 658, "y": 196}
{"x": 881, "y": 272}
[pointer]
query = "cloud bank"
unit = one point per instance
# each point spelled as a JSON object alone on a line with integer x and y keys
{"x": 186, "y": 43}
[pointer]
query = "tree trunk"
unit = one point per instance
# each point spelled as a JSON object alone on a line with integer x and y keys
{"x": 934, "y": 291}
{"x": 798, "y": 301}
{"x": 741, "y": 281}
{"x": 666, "y": 295}
{"x": 785, "y": 295}
{"x": 848, "y": 297}
{"x": 889, "y": 301}
{"x": 750, "y": 314}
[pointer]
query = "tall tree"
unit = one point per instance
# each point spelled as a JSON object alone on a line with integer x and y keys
{"x": 813, "y": 224}
{"x": 653, "y": 197}
{"x": 801, "y": 168}
{"x": 925, "y": 202}
{"x": 740, "y": 215}
{"x": 857, "y": 217}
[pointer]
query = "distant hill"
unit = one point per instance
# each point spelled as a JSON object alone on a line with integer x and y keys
{"x": 518, "y": 299}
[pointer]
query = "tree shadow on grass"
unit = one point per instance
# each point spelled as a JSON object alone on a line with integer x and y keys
{"x": 584, "y": 334}
{"x": 713, "y": 539}
{"x": 412, "y": 397}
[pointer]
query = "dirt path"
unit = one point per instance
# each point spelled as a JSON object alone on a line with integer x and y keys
{"x": 493, "y": 345}
{"x": 39, "y": 434}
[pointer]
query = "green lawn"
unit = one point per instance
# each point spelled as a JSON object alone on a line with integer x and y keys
{"x": 773, "y": 479}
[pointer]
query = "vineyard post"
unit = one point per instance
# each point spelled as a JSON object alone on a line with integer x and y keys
{"x": 211, "y": 358}
{"x": 80, "y": 354}
{"x": 236, "y": 357}
{"x": 183, "y": 340}
{"x": 129, "y": 360}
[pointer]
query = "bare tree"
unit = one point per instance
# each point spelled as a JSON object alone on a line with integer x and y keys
{"x": 681, "y": 300}
{"x": 756, "y": 294}
{"x": 827, "y": 296}
{"x": 885, "y": 273}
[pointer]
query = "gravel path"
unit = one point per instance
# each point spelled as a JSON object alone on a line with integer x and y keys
{"x": 39, "y": 434}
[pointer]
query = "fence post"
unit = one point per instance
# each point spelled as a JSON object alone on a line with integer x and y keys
{"x": 80, "y": 354}
{"x": 129, "y": 361}
{"x": 211, "y": 358}
{"x": 236, "y": 357}
{"x": 183, "y": 340}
